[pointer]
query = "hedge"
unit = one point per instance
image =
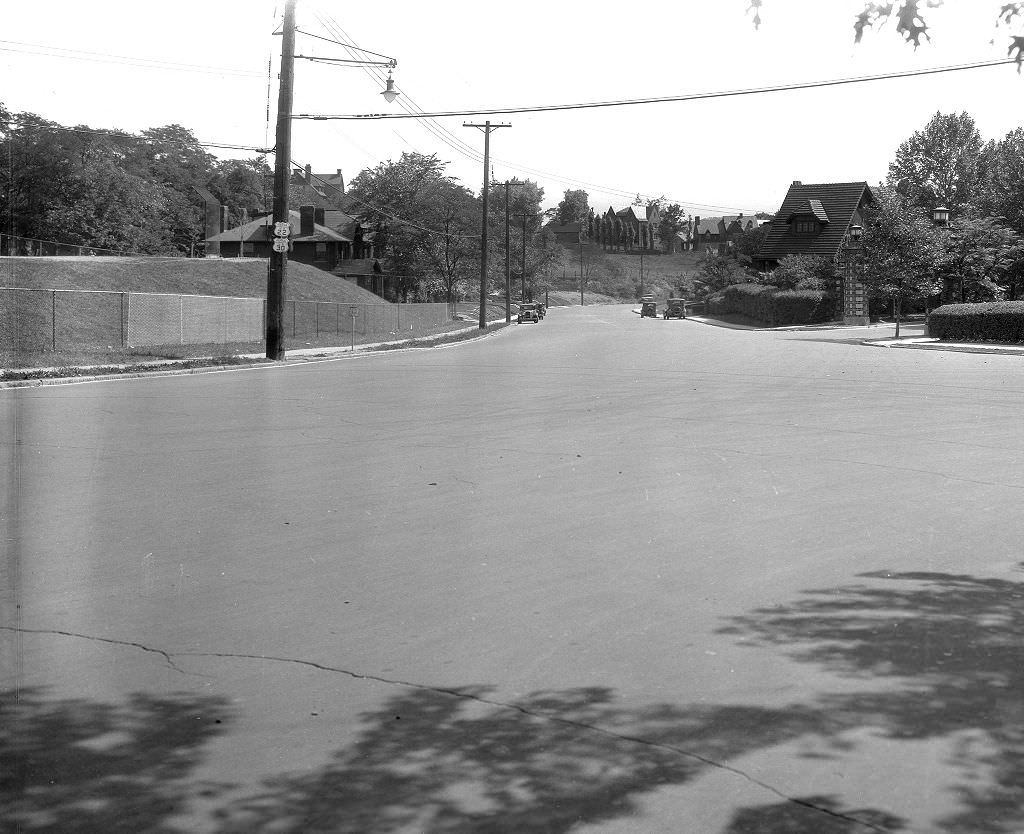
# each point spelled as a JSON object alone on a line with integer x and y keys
{"x": 771, "y": 305}
{"x": 989, "y": 321}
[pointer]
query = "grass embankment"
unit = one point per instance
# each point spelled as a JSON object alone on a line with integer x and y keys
{"x": 89, "y": 335}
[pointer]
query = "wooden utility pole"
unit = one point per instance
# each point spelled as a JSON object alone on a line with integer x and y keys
{"x": 486, "y": 128}
{"x": 277, "y": 276}
{"x": 508, "y": 260}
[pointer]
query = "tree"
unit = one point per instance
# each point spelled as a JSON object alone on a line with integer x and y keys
{"x": 898, "y": 257}
{"x": 672, "y": 220}
{"x": 573, "y": 207}
{"x": 940, "y": 165}
{"x": 405, "y": 196}
{"x": 1002, "y": 186}
{"x": 911, "y": 20}
{"x": 452, "y": 253}
{"x": 975, "y": 256}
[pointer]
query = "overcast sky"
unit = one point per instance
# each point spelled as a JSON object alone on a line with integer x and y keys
{"x": 120, "y": 64}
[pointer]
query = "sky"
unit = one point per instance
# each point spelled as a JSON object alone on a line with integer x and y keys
{"x": 134, "y": 65}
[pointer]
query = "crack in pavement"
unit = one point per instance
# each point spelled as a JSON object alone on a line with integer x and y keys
{"x": 165, "y": 655}
{"x": 467, "y": 696}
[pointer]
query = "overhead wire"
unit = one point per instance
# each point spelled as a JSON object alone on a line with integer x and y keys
{"x": 460, "y": 146}
{"x": 552, "y": 108}
{"x": 110, "y": 58}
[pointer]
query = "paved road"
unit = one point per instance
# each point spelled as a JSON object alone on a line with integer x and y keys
{"x": 600, "y": 574}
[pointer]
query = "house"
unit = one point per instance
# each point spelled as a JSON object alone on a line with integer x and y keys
{"x": 717, "y": 235}
{"x": 311, "y": 242}
{"x": 325, "y": 191}
{"x": 814, "y": 219}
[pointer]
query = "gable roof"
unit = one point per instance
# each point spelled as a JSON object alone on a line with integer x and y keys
{"x": 633, "y": 213}
{"x": 833, "y": 203}
{"x": 262, "y": 229}
{"x": 709, "y": 226}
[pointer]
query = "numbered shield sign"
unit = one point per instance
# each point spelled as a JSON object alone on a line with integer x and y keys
{"x": 282, "y": 229}
{"x": 280, "y": 244}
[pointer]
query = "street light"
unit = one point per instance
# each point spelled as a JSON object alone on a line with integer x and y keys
{"x": 277, "y": 274}
{"x": 940, "y": 215}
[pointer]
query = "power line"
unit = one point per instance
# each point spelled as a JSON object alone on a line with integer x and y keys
{"x": 137, "y": 138}
{"x": 552, "y": 108}
{"x": 109, "y": 58}
{"x": 460, "y": 146}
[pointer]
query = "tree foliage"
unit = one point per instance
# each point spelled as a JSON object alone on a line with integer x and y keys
{"x": 432, "y": 237}
{"x": 975, "y": 257}
{"x": 940, "y": 165}
{"x": 911, "y": 20}
{"x": 900, "y": 249}
{"x": 573, "y": 207}
{"x": 113, "y": 190}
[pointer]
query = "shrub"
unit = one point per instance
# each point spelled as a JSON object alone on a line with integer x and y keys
{"x": 990, "y": 321}
{"x": 771, "y": 305}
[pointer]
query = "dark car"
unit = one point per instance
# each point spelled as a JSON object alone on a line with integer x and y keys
{"x": 541, "y": 309}
{"x": 675, "y": 308}
{"x": 648, "y": 308}
{"x": 528, "y": 312}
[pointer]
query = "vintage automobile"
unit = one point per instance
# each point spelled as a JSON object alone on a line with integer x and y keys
{"x": 648, "y": 308}
{"x": 675, "y": 308}
{"x": 528, "y": 312}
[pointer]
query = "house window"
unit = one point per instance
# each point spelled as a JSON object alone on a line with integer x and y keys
{"x": 321, "y": 252}
{"x": 806, "y": 226}
{"x": 248, "y": 249}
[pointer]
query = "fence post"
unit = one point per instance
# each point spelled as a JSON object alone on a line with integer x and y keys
{"x": 53, "y": 319}
{"x": 225, "y": 321}
{"x": 122, "y": 319}
{"x": 316, "y": 316}
{"x": 181, "y": 319}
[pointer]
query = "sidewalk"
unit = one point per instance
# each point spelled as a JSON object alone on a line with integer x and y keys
{"x": 199, "y": 364}
{"x": 906, "y": 342}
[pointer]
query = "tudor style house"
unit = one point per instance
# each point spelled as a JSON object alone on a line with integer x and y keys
{"x": 815, "y": 220}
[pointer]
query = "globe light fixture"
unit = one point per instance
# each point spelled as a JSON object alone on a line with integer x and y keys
{"x": 390, "y": 93}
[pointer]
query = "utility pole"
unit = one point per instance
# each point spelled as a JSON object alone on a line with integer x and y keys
{"x": 486, "y": 129}
{"x": 277, "y": 276}
{"x": 641, "y": 262}
{"x": 508, "y": 264}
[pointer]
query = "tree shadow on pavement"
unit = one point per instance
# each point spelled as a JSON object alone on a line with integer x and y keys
{"x": 950, "y": 651}
{"x": 789, "y": 817}
{"x": 84, "y": 766}
{"x": 458, "y": 763}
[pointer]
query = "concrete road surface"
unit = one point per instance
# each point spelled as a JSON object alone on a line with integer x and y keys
{"x": 597, "y": 574}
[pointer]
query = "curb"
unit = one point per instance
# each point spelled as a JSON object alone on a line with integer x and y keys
{"x": 299, "y": 356}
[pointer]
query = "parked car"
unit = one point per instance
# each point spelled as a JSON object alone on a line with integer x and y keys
{"x": 528, "y": 312}
{"x": 675, "y": 308}
{"x": 648, "y": 309}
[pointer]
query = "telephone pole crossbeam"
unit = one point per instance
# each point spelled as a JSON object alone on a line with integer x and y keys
{"x": 486, "y": 128}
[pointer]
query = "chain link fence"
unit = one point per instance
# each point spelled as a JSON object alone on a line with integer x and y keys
{"x": 36, "y": 320}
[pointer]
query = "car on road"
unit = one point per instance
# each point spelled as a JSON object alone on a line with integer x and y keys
{"x": 528, "y": 312}
{"x": 648, "y": 309}
{"x": 675, "y": 308}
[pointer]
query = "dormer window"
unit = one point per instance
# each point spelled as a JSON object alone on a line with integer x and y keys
{"x": 808, "y": 218}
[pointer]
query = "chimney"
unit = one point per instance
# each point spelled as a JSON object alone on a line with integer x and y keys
{"x": 309, "y": 175}
{"x": 305, "y": 221}
{"x": 797, "y": 182}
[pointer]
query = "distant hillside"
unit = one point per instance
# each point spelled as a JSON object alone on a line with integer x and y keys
{"x": 240, "y": 277}
{"x": 617, "y": 274}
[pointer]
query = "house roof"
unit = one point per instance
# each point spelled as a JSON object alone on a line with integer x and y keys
{"x": 633, "y": 212}
{"x": 262, "y": 229}
{"x": 834, "y": 203}
{"x": 709, "y": 226}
